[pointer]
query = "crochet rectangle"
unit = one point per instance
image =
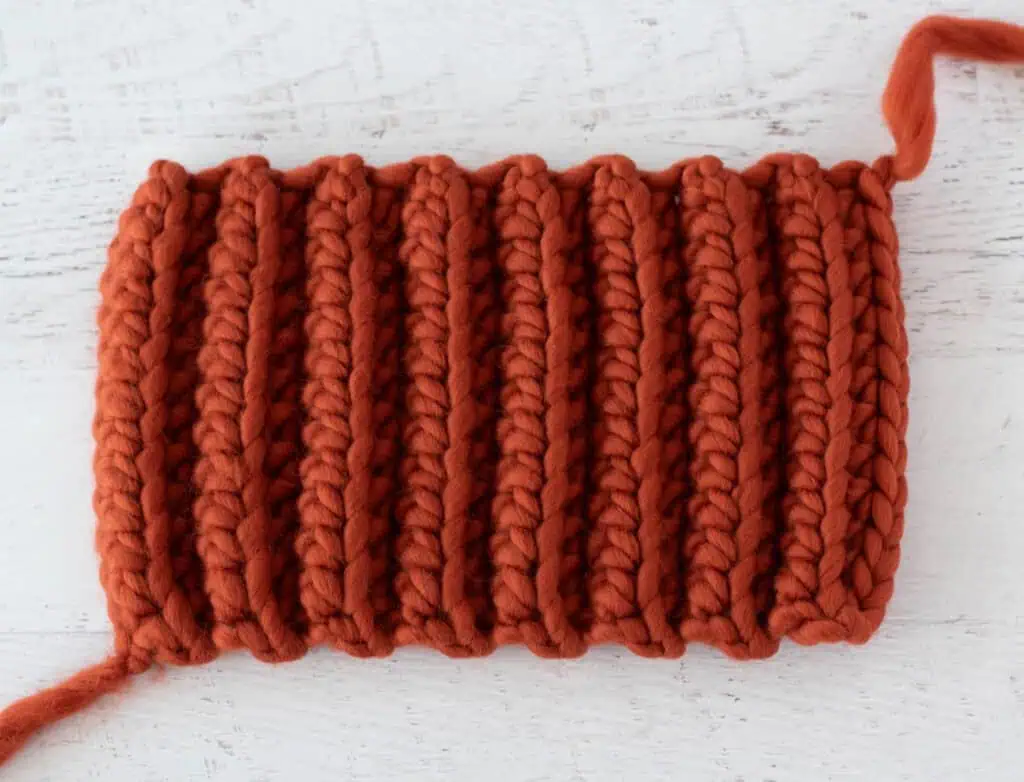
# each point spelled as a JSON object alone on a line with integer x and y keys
{"x": 423, "y": 405}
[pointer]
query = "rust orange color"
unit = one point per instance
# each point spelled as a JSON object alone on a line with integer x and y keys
{"x": 373, "y": 407}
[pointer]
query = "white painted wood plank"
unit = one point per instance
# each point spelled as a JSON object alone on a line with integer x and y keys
{"x": 90, "y": 92}
{"x": 949, "y": 710}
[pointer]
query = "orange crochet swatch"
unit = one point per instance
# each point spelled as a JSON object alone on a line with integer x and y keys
{"x": 372, "y": 407}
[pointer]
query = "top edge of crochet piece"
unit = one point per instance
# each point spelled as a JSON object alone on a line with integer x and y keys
{"x": 756, "y": 174}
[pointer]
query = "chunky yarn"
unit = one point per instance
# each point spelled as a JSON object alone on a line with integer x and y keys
{"x": 373, "y": 407}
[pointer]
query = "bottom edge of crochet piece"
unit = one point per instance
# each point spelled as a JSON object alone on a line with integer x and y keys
{"x": 532, "y": 638}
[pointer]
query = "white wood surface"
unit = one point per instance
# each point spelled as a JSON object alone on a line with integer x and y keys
{"x": 91, "y": 91}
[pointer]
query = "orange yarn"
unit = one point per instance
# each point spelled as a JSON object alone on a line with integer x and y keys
{"x": 909, "y": 99}
{"x": 423, "y": 405}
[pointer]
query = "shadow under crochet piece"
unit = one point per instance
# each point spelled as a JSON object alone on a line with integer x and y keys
{"x": 373, "y": 407}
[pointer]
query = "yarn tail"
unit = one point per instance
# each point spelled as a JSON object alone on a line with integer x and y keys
{"x": 23, "y": 719}
{"x": 909, "y": 98}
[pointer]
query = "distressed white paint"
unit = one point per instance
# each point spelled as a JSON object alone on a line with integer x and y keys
{"x": 91, "y": 91}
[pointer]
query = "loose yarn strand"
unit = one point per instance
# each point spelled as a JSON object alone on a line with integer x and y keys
{"x": 23, "y": 718}
{"x": 909, "y": 98}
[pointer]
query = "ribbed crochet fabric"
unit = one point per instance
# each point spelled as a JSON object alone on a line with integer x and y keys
{"x": 369, "y": 407}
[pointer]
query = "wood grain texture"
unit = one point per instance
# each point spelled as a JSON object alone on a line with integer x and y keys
{"x": 90, "y": 92}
